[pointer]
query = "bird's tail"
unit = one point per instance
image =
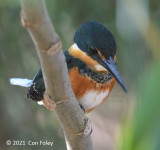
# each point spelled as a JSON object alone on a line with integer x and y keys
{"x": 21, "y": 82}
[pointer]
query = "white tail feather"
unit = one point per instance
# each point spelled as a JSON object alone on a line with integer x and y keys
{"x": 21, "y": 82}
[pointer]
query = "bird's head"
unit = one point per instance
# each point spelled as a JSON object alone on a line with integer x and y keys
{"x": 95, "y": 45}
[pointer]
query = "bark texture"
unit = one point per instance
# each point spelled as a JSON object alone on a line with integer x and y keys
{"x": 35, "y": 18}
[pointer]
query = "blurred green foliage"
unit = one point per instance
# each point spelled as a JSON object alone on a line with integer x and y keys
{"x": 23, "y": 119}
{"x": 141, "y": 131}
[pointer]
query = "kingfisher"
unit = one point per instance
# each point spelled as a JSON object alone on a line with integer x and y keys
{"x": 91, "y": 62}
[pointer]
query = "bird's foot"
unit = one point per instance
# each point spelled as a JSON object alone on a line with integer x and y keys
{"x": 48, "y": 102}
{"x": 88, "y": 127}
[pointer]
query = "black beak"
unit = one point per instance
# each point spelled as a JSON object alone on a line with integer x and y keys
{"x": 111, "y": 67}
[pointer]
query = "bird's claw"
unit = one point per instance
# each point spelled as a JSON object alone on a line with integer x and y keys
{"x": 48, "y": 102}
{"x": 82, "y": 108}
{"x": 88, "y": 127}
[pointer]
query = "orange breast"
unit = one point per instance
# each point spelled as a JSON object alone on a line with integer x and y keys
{"x": 82, "y": 85}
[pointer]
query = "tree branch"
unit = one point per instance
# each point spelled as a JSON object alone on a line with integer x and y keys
{"x": 34, "y": 17}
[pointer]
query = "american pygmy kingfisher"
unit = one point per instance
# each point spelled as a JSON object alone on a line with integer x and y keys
{"x": 91, "y": 67}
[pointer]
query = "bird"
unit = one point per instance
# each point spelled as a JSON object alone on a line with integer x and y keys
{"x": 91, "y": 62}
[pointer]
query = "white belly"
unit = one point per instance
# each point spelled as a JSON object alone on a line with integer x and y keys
{"x": 92, "y": 99}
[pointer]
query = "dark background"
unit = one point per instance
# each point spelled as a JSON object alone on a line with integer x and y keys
{"x": 123, "y": 122}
